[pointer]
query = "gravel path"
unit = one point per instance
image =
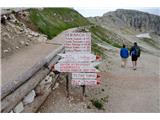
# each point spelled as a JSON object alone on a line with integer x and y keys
{"x": 124, "y": 90}
{"x": 134, "y": 91}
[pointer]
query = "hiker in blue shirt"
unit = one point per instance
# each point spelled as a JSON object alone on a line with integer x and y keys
{"x": 135, "y": 54}
{"x": 124, "y": 55}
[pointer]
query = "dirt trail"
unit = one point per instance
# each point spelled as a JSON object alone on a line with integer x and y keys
{"x": 125, "y": 90}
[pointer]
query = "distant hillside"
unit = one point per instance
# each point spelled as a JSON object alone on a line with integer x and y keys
{"x": 122, "y": 18}
{"x": 129, "y": 24}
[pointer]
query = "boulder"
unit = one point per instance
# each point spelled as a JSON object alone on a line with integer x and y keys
{"x": 29, "y": 98}
{"x": 11, "y": 111}
{"x": 19, "y": 108}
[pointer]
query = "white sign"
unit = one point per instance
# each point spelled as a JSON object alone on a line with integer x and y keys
{"x": 75, "y": 67}
{"x": 85, "y": 78}
{"x": 90, "y": 76}
{"x": 83, "y": 82}
{"x": 79, "y": 57}
{"x": 78, "y": 42}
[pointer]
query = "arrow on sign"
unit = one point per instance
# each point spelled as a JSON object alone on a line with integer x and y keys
{"x": 80, "y": 57}
{"x": 83, "y": 82}
{"x": 72, "y": 67}
{"x": 79, "y": 64}
{"x": 90, "y": 76}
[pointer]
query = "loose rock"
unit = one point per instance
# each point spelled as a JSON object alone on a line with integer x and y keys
{"x": 29, "y": 98}
{"x": 5, "y": 51}
{"x": 22, "y": 42}
{"x": 27, "y": 44}
{"x": 19, "y": 108}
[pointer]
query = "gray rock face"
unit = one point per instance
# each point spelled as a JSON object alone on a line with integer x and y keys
{"x": 142, "y": 21}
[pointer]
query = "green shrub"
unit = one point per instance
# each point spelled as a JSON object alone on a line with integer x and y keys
{"x": 97, "y": 103}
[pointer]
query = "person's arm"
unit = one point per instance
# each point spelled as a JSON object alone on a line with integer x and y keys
{"x": 139, "y": 52}
{"x": 121, "y": 52}
{"x": 131, "y": 50}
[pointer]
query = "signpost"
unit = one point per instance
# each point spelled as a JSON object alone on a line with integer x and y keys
{"x": 78, "y": 60}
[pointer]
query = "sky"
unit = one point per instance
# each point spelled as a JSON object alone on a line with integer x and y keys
{"x": 91, "y": 12}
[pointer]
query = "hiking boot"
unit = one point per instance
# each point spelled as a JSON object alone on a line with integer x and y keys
{"x": 134, "y": 68}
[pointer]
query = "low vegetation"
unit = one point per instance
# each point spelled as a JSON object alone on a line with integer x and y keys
{"x": 97, "y": 50}
{"x": 102, "y": 34}
{"x": 98, "y": 104}
{"x": 151, "y": 42}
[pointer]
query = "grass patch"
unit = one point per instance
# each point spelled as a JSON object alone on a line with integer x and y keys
{"x": 97, "y": 50}
{"x": 52, "y": 21}
{"x": 102, "y": 34}
{"x": 97, "y": 67}
{"x": 97, "y": 103}
{"x": 151, "y": 42}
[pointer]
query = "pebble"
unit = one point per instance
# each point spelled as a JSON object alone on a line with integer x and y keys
{"x": 29, "y": 36}
{"x": 17, "y": 47}
{"x": 9, "y": 49}
{"x": 22, "y": 42}
{"x": 27, "y": 44}
{"x": 5, "y": 51}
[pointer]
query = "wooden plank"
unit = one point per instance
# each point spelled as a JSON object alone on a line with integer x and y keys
{"x": 13, "y": 99}
{"x": 14, "y": 84}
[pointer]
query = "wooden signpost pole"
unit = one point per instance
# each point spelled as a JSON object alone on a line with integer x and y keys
{"x": 67, "y": 84}
{"x": 83, "y": 91}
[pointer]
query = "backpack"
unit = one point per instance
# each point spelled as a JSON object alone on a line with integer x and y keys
{"x": 135, "y": 52}
{"x": 124, "y": 53}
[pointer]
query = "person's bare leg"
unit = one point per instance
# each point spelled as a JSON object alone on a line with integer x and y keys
{"x": 125, "y": 62}
{"x": 135, "y": 64}
{"x": 122, "y": 63}
{"x": 134, "y": 68}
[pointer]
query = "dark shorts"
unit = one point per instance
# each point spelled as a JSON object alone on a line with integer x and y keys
{"x": 134, "y": 58}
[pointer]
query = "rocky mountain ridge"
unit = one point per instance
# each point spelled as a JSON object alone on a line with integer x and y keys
{"x": 141, "y": 21}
